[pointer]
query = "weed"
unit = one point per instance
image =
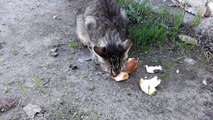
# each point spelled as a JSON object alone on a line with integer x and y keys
{"x": 207, "y": 57}
{"x": 163, "y": 76}
{"x": 58, "y": 114}
{"x": 185, "y": 46}
{"x": 177, "y": 59}
{"x": 95, "y": 62}
{"x": 73, "y": 45}
{"x": 14, "y": 51}
{"x": 56, "y": 42}
{"x": 196, "y": 21}
{"x": 71, "y": 57}
{"x": 37, "y": 82}
{"x": 84, "y": 74}
{"x": 21, "y": 88}
{"x": 148, "y": 27}
{"x": 167, "y": 65}
{"x": 91, "y": 87}
{"x": 66, "y": 31}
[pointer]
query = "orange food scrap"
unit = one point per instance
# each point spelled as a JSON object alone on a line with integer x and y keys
{"x": 131, "y": 65}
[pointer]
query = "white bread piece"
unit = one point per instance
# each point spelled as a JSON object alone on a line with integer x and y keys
{"x": 121, "y": 76}
{"x": 151, "y": 69}
{"x": 148, "y": 85}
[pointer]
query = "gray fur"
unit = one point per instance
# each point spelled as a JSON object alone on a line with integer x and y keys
{"x": 103, "y": 29}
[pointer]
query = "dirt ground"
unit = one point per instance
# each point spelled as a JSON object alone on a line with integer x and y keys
{"x": 30, "y": 75}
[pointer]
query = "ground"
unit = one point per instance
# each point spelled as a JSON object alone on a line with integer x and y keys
{"x": 28, "y": 74}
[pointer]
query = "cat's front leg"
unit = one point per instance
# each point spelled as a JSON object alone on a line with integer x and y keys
{"x": 93, "y": 56}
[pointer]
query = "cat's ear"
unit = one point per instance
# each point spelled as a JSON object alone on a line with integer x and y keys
{"x": 127, "y": 44}
{"x": 100, "y": 51}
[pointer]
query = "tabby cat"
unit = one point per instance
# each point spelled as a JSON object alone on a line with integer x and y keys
{"x": 103, "y": 29}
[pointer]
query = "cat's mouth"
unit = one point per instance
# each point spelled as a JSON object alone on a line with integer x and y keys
{"x": 114, "y": 74}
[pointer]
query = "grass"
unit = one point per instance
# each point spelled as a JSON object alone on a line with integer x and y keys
{"x": 207, "y": 57}
{"x": 73, "y": 45}
{"x": 196, "y": 21}
{"x": 152, "y": 28}
{"x": 56, "y": 42}
{"x": 84, "y": 74}
{"x": 14, "y": 51}
{"x": 37, "y": 82}
{"x": 22, "y": 88}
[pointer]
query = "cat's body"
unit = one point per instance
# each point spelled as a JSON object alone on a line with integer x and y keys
{"x": 103, "y": 29}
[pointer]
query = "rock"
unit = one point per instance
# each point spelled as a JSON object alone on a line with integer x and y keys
{"x": 196, "y": 10}
{"x": 73, "y": 67}
{"x": 31, "y": 110}
{"x": 188, "y": 39}
{"x": 206, "y": 26}
{"x": 189, "y": 61}
{"x": 53, "y": 54}
{"x": 84, "y": 59}
{"x": 192, "y": 6}
{"x": 209, "y": 9}
{"x": 54, "y": 49}
{"x": 177, "y": 71}
{"x": 7, "y": 103}
{"x": 204, "y": 82}
{"x": 54, "y": 17}
{"x": 188, "y": 18}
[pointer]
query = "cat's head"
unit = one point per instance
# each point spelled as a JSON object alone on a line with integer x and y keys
{"x": 113, "y": 56}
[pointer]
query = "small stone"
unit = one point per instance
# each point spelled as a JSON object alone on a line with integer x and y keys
{"x": 53, "y": 54}
{"x": 190, "y": 61}
{"x": 31, "y": 110}
{"x": 54, "y": 17}
{"x": 74, "y": 67}
{"x": 177, "y": 71}
{"x": 196, "y": 6}
{"x": 7, "y": 103}
{"x": 209, "y": 9}
{"x": 54, "y": 49}
{"x": 188, "y": 18}
{"x": 188, "y": 39}
{"x": 204, "y": 82}
{"x": 129, "y": 94}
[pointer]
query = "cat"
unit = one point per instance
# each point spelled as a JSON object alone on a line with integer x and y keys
{"x": 103, "y": 29}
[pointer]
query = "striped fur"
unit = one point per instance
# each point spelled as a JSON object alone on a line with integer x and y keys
{"x": 103, "y": 28}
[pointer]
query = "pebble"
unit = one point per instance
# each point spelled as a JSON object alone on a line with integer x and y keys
{"x": 53, "y": 54}
{"x": 54, "y": 49}
{"x": 204, "y": 82}
{"x": 7, "y": 103}
{"x": 54, "y": 17}
{"x": 74, "y": 67}
{"x": 31, "y": 110}
{"x": 189, "y": 61}
{"x": 209, "y": 9}
{"x": 177, "y": 71}
{"x": 188, "y": 39}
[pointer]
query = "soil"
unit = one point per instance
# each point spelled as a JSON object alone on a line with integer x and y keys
{"x": 30, "y": 29}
